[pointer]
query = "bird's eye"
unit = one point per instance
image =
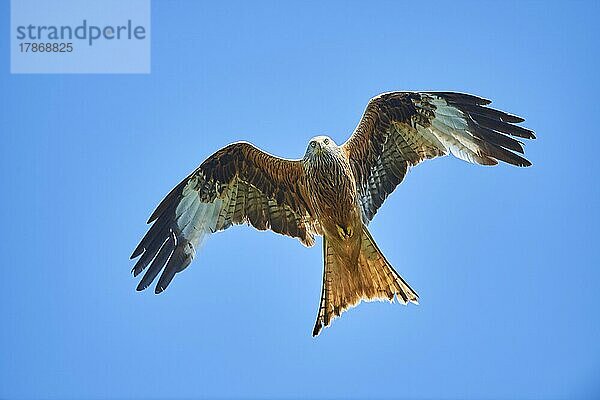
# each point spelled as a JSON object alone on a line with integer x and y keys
{"x": 326, "y": 141}
{"x": 313, "y": 144}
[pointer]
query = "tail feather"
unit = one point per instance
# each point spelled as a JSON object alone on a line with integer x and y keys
{"x": 344, "y": 286}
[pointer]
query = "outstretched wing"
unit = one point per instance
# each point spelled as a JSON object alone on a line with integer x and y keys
{"x": 238, "y": 184}
{"x": 401, "y": 129}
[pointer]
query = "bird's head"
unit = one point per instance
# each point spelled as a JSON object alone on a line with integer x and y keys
{"x": 320, "y": 145}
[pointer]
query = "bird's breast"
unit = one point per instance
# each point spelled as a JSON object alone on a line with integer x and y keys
{"x": 333, "y": 193}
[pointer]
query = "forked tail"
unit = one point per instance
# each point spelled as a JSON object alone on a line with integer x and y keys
{"x": 345, "y": 286}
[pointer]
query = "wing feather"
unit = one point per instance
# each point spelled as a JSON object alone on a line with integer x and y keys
{"x": 158, "y": 263}
{"x": 238, "y": 184}
{"x": 401, "y": 129}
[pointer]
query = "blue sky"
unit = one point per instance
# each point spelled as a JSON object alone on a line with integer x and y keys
{"x": 504, "y": 259}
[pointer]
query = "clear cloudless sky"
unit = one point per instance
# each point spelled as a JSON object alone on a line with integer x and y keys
{"x": 504, "y": 259}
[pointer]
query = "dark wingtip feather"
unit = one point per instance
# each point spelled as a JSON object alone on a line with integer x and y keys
{"x": 524, "y": 163}
{"x": 170, "y": 200}
{"x": 532, "y": 135}
{"x": 497, "y": 138}
{"x": 515, "y": 159}
{"x": 178, "y": 261}
{"x": 142, "y": 263}
{"x": 463, "y": 98}
{"x": 160, "y": 209}
{"x": 158, "y": 263}
{"x": 159, "y": 289}
{"x": 496, "y": 124}
{"x": 502, "y": 154}
{"x": 165, "y": 280}
{"x": 136, "y": 253}
{"x": 154, "y": 216}
{"x": 491, "y": 113}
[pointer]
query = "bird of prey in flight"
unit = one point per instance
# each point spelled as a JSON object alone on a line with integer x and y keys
{"x": 333, "y": 191}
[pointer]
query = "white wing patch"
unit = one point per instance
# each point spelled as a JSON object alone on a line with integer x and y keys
{"x": 194, "y": 218}
{"x": 451, "y": 129}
